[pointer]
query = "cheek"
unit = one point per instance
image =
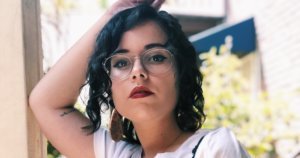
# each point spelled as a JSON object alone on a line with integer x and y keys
{"x": 176, "y": 88}
{"x": 118, "y": 94}
{"x": 175, "y": 84}
{"x": 170, "y": 90}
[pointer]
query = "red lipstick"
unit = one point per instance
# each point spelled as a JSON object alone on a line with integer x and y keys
{"x": 140, "y": 92}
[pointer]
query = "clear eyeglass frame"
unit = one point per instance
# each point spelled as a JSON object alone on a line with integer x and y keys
{"x": 155, "y": 61}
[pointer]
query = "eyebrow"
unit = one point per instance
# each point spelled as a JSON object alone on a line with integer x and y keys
{"x": 154, "y": 45}
{"x": 146, "y": 47}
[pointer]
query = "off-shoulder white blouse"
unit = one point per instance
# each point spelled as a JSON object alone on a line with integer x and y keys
{"x": 217, "y": 143}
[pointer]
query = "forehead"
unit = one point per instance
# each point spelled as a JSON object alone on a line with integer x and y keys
{"x": 147, "y": 33}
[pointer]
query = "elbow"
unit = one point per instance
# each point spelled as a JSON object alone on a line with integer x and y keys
{"x": 33, "y": 99}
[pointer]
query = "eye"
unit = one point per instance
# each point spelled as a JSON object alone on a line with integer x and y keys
{"x": 157, "y": 58}
{"x": 121, "y": 63}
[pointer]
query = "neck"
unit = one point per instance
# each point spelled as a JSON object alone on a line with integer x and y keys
{"x": 159, "y": 136}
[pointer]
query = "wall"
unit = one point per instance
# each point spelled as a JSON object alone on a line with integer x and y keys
{"x": 278, "y": 33}
{"x": 19, "y": 70}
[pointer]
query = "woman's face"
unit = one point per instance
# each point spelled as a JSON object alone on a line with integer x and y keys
{"x": 144, "y": 96}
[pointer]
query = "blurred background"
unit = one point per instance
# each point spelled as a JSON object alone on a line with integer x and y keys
{"x": 248, "y": 52}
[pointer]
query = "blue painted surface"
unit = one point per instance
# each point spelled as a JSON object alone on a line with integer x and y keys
{"x": 243, "y": 33}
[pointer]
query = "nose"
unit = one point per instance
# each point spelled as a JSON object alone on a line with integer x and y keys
{"x": 138, "y": 71}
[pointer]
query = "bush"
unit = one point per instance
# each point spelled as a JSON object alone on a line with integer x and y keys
{"x": 257, "y": 120}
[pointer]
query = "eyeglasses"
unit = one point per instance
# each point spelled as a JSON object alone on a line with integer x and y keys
{"x": 154, "y": 61}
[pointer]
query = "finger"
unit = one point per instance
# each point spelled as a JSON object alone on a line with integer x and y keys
{"x": 157, "y": 3}
{"x": 150, "y": 1}
{"x": 142, "y": 1}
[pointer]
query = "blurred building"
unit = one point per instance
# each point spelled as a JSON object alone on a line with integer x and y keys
{"x": 196, "y": 15}
{"x": 277, "y": 33}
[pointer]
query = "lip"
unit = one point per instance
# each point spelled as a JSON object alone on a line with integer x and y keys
{"x": 140, "y": 92}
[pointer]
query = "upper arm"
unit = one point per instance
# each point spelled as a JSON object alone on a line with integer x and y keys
{"x": 65, "y": 131}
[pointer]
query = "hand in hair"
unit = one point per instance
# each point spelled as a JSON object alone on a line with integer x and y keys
{"x": 125, "y": 4}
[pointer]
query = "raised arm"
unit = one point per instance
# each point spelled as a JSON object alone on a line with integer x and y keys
{"x": 53, "y": 97}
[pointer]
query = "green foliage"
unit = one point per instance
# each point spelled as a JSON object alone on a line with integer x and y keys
{"x": 257, "y": 120}
{"x": 55, "y": 9}
{"x": 103, "y": 3}
{"x": 64, "y": 5}
{"x": 52, "y": 152}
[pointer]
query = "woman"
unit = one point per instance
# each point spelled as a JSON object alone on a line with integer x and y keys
{"x": 144, "y": 68}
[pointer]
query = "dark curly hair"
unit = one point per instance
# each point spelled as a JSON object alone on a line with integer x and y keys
{"x": 189, "y": 109}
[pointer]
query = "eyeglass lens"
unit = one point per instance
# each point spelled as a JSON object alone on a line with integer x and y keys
{"x": 155, "y": 61}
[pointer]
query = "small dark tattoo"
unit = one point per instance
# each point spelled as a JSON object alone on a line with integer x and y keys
{"x": 67, "y": 112}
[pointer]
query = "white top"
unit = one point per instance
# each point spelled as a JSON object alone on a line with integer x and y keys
{"x": 218, "y": 143}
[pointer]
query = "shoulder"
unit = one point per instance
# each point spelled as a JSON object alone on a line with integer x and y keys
{"x": 221, "y": 137}
{"x": 221, "y": 142}
{"x": 104, "y": 146}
